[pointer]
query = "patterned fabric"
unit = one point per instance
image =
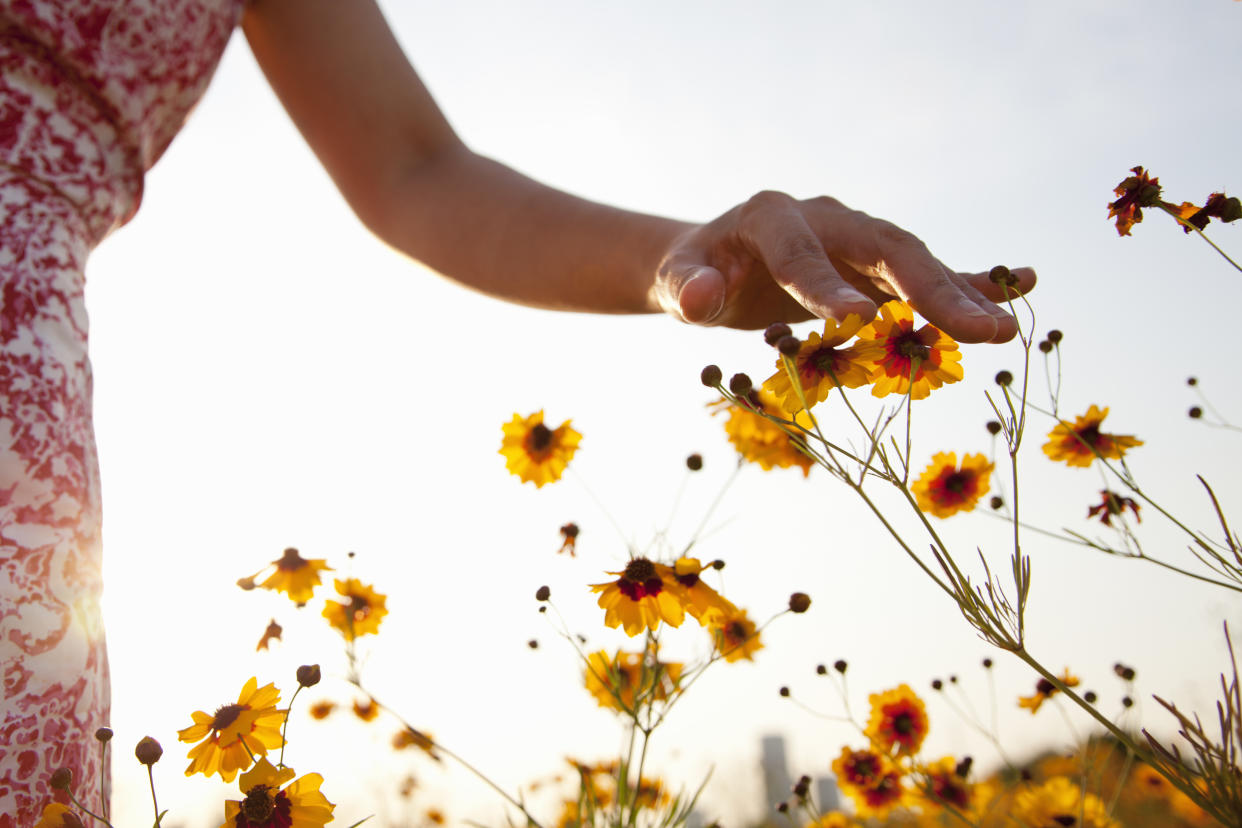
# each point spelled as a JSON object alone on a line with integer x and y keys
{"x": 91, "y": 93}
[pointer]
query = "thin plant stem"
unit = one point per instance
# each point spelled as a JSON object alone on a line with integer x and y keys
{"x": 1184, "y": 223}
{"x": 154, "y": 803}
{"x": 712, "y": 508}
{"x": 284, "y": 726}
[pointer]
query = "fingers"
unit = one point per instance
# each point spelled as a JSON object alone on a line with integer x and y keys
{"x": 999, "y": 293}
{"x": 701, "y": 294}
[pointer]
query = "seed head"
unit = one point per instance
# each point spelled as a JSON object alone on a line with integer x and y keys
{"x": 821, "y": 669}
{"x": 1192, "y": 381}
{"x": 1089, "y": 697}
{"x": 1045, "y": 347}
{"x": 148, "y": 751}
{"x": 1195, "y": 412}
{"x": 775, "y": 332}
{"x": 799, "y": 602}
{"x": 987, "y": 663}
{"x": 694, "y": 462}
{"x": 1004, "y": 378}
{"x": 1123, "y": 672}
{"x": 937, "y": 684}
{"x": 996, "y": 502}
{"x": 104, "y": 734}
{"x": 543, "y": 593}
{"x": 62, "y": 779}
{"x": 789, "y": 346}
{"x": 740, "y": 385}
{"x": 993, "y": 427}
{"x": 533, "y": 644}
{"x": 308, "y": 675}
{"x": 1055, "y": 336}
{"x": 1126, "y": 701}
{"x": 840, "y": 665}
{"x": 711, "y": 376}
{"x": 784, "y": 691}
{"x": 1000, "y": 275}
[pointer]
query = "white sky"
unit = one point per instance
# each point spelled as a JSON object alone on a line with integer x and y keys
{"x": 268, "y": 375}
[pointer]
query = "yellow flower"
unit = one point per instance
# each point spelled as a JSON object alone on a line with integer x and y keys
{"x": 367, "y": 710}
{"x": 361, "y": 615}
{"x": 272, "y": 633}
{"x": 944, "y": 489}
{"x": 1079, "y": 444}
{"x": 409, "y": 737}
{"x": 1045, "y": 690}
{"x": 1059, "y": 802}
{"x": 945, "y": 785}
{"x": 640, "y": 599}
{"x": 821, "y": 366}
{"x": 700, "y": 600}
{"x": 832, "y": 819}
{"x": 898, "y": 721}
{"x": 296, "y": 576}
{"x": 735, "y": 635}
{"x": 56, "y": 815}
{"x": 267, "y": 805}
{"x": 624, "y": 679}
{"x": 906, "y": 360}
{"x": 235, "y": 732}
{"x": 322, "y": 709}
{"x": 536, "y": 453}
{"x": 869, "y": 779}
{"x": 760, "y": 440}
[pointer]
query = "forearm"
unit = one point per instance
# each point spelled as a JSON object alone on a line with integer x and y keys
{"x": 496, "y": 231}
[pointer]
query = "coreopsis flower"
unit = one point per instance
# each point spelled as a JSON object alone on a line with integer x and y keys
{"x": 905, "y": 360}
{"x": 1136, "y": 192}
{"x": 272, "y": 633}
{"x": 1080, "y": 443}
{"x": 700, "y": 600}
{"x": 898, "y": 722}
{"x": 832, "y": 819}
{"x": 640, "y": 598}
{"x": 536, "y": 453}
{"x": 361, "y": 614}
{"x": 366, "y": 709}
{"x": 758, "y": 439}
{"x": 1111, "y": 505}
{"x": 434, "y": 815}
{"x": 235, "y": 732}
{"x": 945, "y": 489}
{"x": 871, "y": 780}
{"x": 266, "y": 805}
{"x": 322, "y": 709}
{"x": 736, "y": 636}
{"x": 1218, "y": 206}
{"x": 1045, "y": 690}
{"x": 296, "y": 576}
{"x": 569, "y": 532}
{"x": 56, "y": 815}
{"x": 821, "y": 365}
{"x": 621, "y": 680}
{"x": 946, "y": 786}
{"x": 1059, "y": 802}
{"x": 409, "y": 737}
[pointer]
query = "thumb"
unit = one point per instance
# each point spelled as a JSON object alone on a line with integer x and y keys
{"x": 700, "y": 296}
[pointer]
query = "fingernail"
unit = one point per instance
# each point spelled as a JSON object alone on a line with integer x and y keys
{"x": 969, "y": 308}
{"x": 717, "y": 305}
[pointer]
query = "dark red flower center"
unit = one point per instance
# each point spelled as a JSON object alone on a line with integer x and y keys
{"x": 264, "y": 809}
{"x": 886, "y": 790}
{"x": 820, "y": 362}
{"x": 946, "y": 789}
{"x": 1090, "y": 434}
{"x": 737, "y": 631}
{"x": 226, "y": 715}
{"x": 955, "y": 486}
{"x": 688, "y": 580}
{"x": 863, "y": 769}
{"x": 540, "y": 437}
{"x": 640, "y": 580}
{"x": 359, "y": 608}
{"x": 903, "y": 724}
{"x": 1065, "y": 819}
{"x": 1045, "y": 688}
{"x": 291, "y": 561}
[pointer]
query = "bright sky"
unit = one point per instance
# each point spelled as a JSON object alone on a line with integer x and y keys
{"x": 268, "y": 375}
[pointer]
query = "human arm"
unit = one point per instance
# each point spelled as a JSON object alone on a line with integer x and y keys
{"x": 348, "y": 87}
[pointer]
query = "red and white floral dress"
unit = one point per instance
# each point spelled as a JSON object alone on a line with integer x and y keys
{"x": 91, "y": 92}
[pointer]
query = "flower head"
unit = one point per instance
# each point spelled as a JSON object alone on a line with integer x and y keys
{"x": 624, "y": 679}
{"x": 1113, "y": 505}
{"x": 296, "y": 576}
{"x": 536, "y": 453}
{"x": 569, "y": 532}
{"x": 945, "y": 784}
{"x": 361, "y": 614}
{"x": 56, "y": 815}
{"x": 760, "y": 440}
{"x": 272, "y": 633}
{"x": 736, "y": 636}
{"x": 1045, "y": 690}
{"x": 870, "y": 779}
{"x": 235, "y": 732}
{"x": 700, "y": 600}
{"x": 266, "y": 805}
{"x": 821, "y": 365}
{"x": 898, "y": 722}
{"x": 409, "y": 737}
{"x": 1058, "y": 802}
{"x": 906, "y": 360}
{"x": 1079, "y": 444}
{"x": 640, "y": 598}
{"x": 1136, "y": 192}
{"x": 945, "y": 489}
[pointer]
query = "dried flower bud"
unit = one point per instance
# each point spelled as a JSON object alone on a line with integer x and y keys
{"x": 543, "y": 609}
{"x": 987, "y": 663}
{"x": 802, "y": 786}
{"x": 740, "y": 385}
{"x": 993, "y": 427}
{"x": 1045, "y": 347}
{"x": 937, "y": 684}
{"x": 996, "y": 502}
{"x": 840, "y": 665}
{"x": 694, "y": 462}
{"x": 533, "y": 644}
{"x": 799, "y": 602}
{"x": 543, "y": 593}
{"x": 789, "y": 346}
{"x": 1055, "y": 336}
{"x": 776, "y": 332}
{"x": 62, "y": 779}
{"x": 1123, "y": 672}
{"x": 952, "y": 679}
{"x": 308, "y": 675}
{"x": 104, "y": 734}
{"x": 148, "y": 751}
{"x": 1089, "y": 697}
{"x": 784, "y": 691}
{"x": 1004, "y": 378}
{"x": 1192, "y": 381}
{"x": 717, "y": 564}
{"x": 1000, "y": 275}
{"x": 821, "y": 669}
{"x": 711, "y": 376}
{"x": 1195, "y": 412}
{"x": 1126, "y": 701}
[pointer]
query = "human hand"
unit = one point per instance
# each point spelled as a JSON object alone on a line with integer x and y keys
{"x": 774, "y": 258}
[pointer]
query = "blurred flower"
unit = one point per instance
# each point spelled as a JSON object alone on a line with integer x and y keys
{"x": 760, "y": 440}
{"x": 944, "y": 489}
{"x": 833, "y": 819}
{"x": 898, "y": 721}
{"x": 821, "y": 365}
{"x": 272, "y": 633}
{"x": 235, "y": 733}
{"x": 322, "y": 709}
{"x": 435, "y": 816}
{"x": 56, "y": 815}
{"x": 570, "y": 533}
{"x": 946, "y": 785}
{"x": 1218, "y": 206}
{"x": 904, "y": 359}
{"x": 296, "y": 576}
{"x": 267, "y": 805}
{"x": 870, "y": 780}
{"x": 735, "y": 635}
{"x": 1113, "y": 504}
{"x": 367, "y": 710}
{"x": 361, "y": 615}
{"x": 640, "y": 598}
{"x": 536, "y": 453}
{"x": 622, "y": 680}
{"x": 1060, "y": 801}
{"x": 700, "y": 600}
{"x": 1045, "y": 690}
{"x": 1136, "y": 191}
{"x": 1080, "y": 443}
{"x": 409, "y": 737}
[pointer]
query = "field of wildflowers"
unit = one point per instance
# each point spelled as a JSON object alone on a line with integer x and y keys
{"x": 841, "y": 404}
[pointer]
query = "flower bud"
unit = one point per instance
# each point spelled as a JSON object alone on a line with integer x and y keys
{"x": 821, "y": 669}
{"x": 1231, "y": 211}
{"x": 840, "y": 665}
{"x": 308, "y": 675}
{"x": 1126, "y": 701}
{"x": 717, "y": 564}
{"x": 963, "y": 767}
{"x": 784, "y": 691}
{"x": 104, "y": 734}
{"x": 740, "y": 385}
{"x": 1192, "y": 381}
{"x": 996, "y": 502}
{"x": 937, "y": 684}
{"x": 62, "y": 779}
{"x": 1055, "y": 336}
{"x": 1000, "y": 275}
{"x": 694, "y": 462}
{"x": 789, "y": 346}
{"x": 799, "y": 602}
{"x": 1004, "y": 378}
{"x": 148, "y": 751}
{"x": 993, "y": 427}
{"x": 802, "y": 786}
{"x": 711, "y": 376}
{"x": 1045, "y": 347}
{"x": 987, "y": 663}
{"x": 775, "y": 332}
{"x": 1089, "y": 697}
{"x": 1195, "y": 412}
{"x": 1123, "y": 672}
{"x": 543, "y": 593}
